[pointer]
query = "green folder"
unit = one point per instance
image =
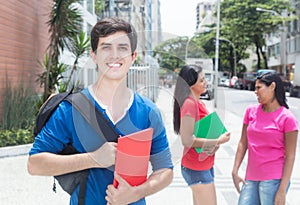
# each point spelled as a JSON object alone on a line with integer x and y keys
{"x": 210, "y": 127}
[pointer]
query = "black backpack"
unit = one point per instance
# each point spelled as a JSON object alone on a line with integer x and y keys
{"x": 47, "y": 109}
{"x": 101, "y": 125}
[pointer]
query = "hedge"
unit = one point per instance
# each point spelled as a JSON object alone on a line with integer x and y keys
{"x": 15, "y": 137}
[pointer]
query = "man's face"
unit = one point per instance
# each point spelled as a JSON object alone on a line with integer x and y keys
{"x": 114, "y": 56}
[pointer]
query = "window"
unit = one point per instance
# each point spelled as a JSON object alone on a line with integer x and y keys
{"x": 293, "y": 45}
{"x": 90, "y": 6}
{"x": 295, "y": 25}
{"x": 298, "y": 44}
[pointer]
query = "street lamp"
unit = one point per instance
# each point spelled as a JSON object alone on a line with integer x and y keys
{"x": 283, "y": 53}
{"x": 267, "y": 10}
{"x": 234, "y": 53}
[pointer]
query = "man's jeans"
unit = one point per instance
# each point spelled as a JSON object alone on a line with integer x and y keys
{"x": 259, "y": 192}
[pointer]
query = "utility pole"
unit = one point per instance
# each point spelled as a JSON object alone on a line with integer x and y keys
{"x": 186, "y": 49}
{"x": 217, "y": 56}
{"x": 150, "y": 27}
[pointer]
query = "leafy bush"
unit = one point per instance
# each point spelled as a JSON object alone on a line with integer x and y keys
{"x": 15, "y": 137}
{"x": 19, "y": 108}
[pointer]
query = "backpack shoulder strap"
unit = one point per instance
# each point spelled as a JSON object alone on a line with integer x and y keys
{"x": 93, "y": 116}
{"x": 46, "y": 110}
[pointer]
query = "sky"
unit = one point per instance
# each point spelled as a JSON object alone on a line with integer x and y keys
{"x": 178, "y": 17}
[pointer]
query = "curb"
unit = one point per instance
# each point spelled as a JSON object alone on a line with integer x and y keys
{"x": 12, "y": 151}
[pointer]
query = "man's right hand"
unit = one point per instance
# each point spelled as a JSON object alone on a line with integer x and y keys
{"x": 105, "y": 156}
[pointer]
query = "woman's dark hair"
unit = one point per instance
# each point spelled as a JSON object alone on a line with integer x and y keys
{"x": 108, "y": 26}
{"x": 268, "y": 79}
{"x": 187, "y": 77}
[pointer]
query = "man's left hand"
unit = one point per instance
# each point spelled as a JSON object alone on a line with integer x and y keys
{"x": 122, "y": 195}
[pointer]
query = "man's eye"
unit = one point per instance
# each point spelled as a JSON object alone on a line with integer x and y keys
{"x": 105, "y": 47}
{"x": 123, "y": 48}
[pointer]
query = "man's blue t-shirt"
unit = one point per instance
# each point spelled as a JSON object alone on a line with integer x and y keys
{"x": 66, "y": 125}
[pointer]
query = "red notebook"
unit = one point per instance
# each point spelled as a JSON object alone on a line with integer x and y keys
{"x": 132, "y": 157}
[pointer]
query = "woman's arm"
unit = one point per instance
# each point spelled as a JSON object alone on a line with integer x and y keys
{"x": 189, "y": 140}
{"x": 187, "y": 133}
{"x": 290, "y": 139}
{"x": 239, "y": 156}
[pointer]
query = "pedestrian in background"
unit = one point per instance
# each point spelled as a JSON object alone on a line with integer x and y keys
{"x": 197, "y": 169}
{"x": 269, "y": 134}
{"x": 114, "y": 44}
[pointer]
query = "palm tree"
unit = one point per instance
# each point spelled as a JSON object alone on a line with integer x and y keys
{"x": 64, "y": 22}
{"x": 80, "y": 46}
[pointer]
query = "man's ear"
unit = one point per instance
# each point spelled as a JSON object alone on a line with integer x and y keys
{"x": 94, "y": 56}
{"x": 134, "y": 55}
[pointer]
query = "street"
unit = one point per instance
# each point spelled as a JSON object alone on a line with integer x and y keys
{"x": 236, "y": 101}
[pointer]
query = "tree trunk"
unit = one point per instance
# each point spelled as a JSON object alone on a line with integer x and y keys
{"x": 265, "y": 58}
{"x": 258, "y": 56}
{"x": 232, "y": 60}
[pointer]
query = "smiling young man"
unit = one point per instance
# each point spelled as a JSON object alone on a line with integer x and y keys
{"x": 114, "y": 44}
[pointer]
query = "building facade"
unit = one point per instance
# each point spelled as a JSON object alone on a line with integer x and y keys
{"x": 23, "y": 41}
{"x": 283, "y": 48}
{"x": 204, "y": 14}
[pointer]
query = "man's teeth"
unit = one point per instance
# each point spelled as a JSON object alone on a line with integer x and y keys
{"x": 114, "y": 65}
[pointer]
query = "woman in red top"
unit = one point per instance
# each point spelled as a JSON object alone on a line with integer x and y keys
{"x": 197, "y": 169}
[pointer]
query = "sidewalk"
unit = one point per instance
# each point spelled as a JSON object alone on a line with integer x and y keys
{"x": 17, "y": 187}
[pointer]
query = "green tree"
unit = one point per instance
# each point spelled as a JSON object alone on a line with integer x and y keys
{"x": 245, "y": 23}
{"x": 78, "y": 49}
{"x": 171, "y": 53}
{"x": 227, "y": 45}
{"x": 55, "y": 74}
{"x": 99, "y": 7}
{"x": 64, "y": 24}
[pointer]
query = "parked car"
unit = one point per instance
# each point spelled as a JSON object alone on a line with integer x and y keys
{"x": 233, "y": 81}
{"x": 224, "y": 82}
{"x": 263, "y": 71}
{"x": 286, "y": 83}
{"x": 247, "y": 80}
{"x": 239, "y": 84}
{"x": 294, "y": 78}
